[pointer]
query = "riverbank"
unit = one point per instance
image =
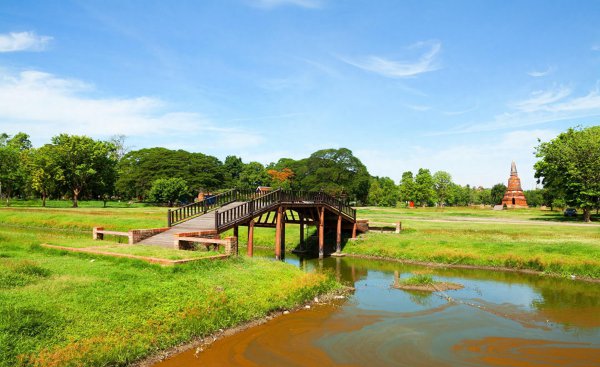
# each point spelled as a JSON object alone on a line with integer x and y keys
{"x": 59, "y": 309}
{"x": 552, "y": 249}
{"x": 202, "y": 343}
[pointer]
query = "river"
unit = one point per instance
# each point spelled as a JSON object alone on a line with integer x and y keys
{"x": 497, "y": 319}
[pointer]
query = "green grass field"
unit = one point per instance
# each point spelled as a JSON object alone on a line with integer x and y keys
{"x": 539, "y": 241}
{"x": 59, "y": 308}
{"x": 69, "y": 309}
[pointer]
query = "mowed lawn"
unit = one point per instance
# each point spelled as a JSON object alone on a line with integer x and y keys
{"x": 68, "y": 309}
{"x": 539, "y": 241}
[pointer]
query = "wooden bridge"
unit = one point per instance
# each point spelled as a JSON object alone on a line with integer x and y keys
{"x": 236, "y": 208}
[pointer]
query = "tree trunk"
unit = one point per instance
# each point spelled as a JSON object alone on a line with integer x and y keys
{"x": 75, "y": 195}
{"x": 586, "y": 215}
{"x": 44, "y": 199}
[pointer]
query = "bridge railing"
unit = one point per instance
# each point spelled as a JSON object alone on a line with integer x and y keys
{"x": 260, "y": 203}
{"x": 186, "y": 212}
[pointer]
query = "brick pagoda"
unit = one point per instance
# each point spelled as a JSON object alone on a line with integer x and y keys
{"x": 514, "y": 197}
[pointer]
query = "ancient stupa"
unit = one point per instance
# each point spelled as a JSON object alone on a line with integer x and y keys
{"x": 514, "y": 197}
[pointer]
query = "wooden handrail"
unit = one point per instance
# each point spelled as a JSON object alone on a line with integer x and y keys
{"x": 247, "y": 210}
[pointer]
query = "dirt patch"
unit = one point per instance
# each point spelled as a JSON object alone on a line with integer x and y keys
{"x": 436, "y": 287}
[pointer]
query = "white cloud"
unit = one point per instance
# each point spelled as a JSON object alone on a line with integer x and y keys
{"x": 542, "y": 107}
{"x": 478, "y": 163}
{"x": 420, "y": 108}
{"x": 23, "y": 41}
{"x": 400, "y": 69}
{"x": 538, "y": 74}
{"x": 269, "y": 4}
{"x": 44, "y": 105}
{"x": 542, "y": 99}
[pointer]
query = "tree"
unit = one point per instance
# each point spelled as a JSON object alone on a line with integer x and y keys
{"x": 120, "y": 148}
{"x": 233, "y": 167}
{"x": 43, "y": 171}
{"x": 570, "y": 163}
{"x": 383, "y": 192}
{"x": 254, "y": 175}
{"x": 139, "y": 168}
{"x": 12, "y": 170}
{"x": 281, "y": 179}
{"x": 85, "y": 163}
{"x": 424, "y": 187}
{"x": 534, "y": 197}
{"x": 441, "y": 182}
{"x": 407, "y": 187}
{"x": 335, "y": 171}
{"x": 498, "y": 191}
{"x": 168, "y": 190}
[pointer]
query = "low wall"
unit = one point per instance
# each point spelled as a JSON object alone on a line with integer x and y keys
{"x": 138, "y": 235}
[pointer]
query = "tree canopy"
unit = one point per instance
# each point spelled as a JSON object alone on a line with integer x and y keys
{"x": 570, "y": 163}
{"x": 140, "y": 168}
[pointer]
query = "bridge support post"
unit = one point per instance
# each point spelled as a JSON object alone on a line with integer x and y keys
{"x": 321, "y": 231}
{"x": 354, "y": 230}
{"x": 251, "y": 238}
{"x": 301, "y": 232}
{"x": 338, "y": 241}
{"x": 278, "y": 230}
{"x": 283, "y": 235}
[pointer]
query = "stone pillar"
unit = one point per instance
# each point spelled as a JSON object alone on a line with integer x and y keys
{"x": 338, "y": 241}
{"x": 321, "y": 231}
{"x": 278, "y": 230}
{"x": 231, "y": 246}
{"x": 251, "y": 238}
{"x": 96, "y": 235}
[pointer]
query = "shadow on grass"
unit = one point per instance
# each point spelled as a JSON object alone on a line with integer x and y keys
{"x": 560, "y": 218}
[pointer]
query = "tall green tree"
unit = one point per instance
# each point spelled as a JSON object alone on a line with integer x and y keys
{"x": 139, "y": 168}
{"x": 335, "y": 171}
{"x": 424, "y": 187}
{"x": 85, "y": 163}
{"x": 442, "y": 182}
{"x": 12, "y": 169}
{"x": 232, "y": 167}
{"x": 498, "y": 191}
{"x": 253, "y": 175}
{"x": 407, "y": 187}
{"x": 383, "y": 192}
{"x": 168, "y": 190}
{"x": 571, "y": 163}
{"x": 43, "y": 171}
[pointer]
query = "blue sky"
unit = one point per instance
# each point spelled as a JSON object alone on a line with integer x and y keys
{"x": 460, "y": 86}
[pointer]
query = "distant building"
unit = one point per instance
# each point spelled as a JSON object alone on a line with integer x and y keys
{"x": 263, "y": 189}
{"x": 514, "y": 196}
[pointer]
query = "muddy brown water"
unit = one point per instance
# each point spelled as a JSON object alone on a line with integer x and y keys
{"x": 497, "y": 319}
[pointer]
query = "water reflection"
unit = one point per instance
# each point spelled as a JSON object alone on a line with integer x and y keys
{"x": 498, "y": 318}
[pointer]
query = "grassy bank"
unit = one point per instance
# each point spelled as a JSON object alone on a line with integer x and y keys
{"x": 559, "y": 248}
{"x": 59, "y": 309}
